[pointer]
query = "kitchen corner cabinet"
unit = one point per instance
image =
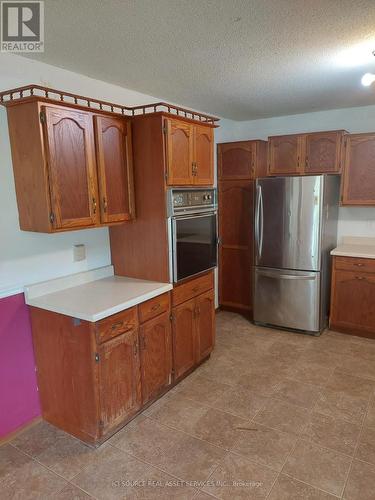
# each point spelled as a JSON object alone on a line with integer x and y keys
{"x": 72, "y": 168}
{"x": 193, "y": 323}
{"x": 242, "y": 160}
{"x": 353, "y": 296}
{"x": 95, "y": 377}
{"x": 358, "y": 186}
{"x": 303, "y": 154}
{"x": 189, "y": 153}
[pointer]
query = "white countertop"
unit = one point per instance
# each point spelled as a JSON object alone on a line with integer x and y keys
{"x": 356, "y": 247}
{"x": 92, "y": 295}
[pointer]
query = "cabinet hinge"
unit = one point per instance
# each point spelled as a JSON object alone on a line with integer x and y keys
{"x": 97, "y": 358}
{"x": 52, "y": 217}
{"x": 171, "y": 317}
{"x": 165, "y": 128}
{"x": 42, "y": 117}
{"x": 101, "y": 424}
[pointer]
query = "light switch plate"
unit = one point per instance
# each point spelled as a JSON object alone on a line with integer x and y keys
{"x": 79, "y": 252}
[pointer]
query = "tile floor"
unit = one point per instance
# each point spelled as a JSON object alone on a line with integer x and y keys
{"x": 272, "y": 415}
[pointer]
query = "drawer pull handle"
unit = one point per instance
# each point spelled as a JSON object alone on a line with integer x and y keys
{"x": 359, "y": 264}
{"x": 360, "y": 278}
{"x": 195, "y": 289}
{"x": 155, "y": 307}
{"x": 117, "y": 325}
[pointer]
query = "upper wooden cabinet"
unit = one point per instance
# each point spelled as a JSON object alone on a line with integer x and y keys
{"x": 301, "y": 154}
{"x": 359, "y": 170}
{"x": 284, "y": 154}
{"x": 323, "y": 152}
{"x": 71, "y": 167}
{"x": 113, "y": 147}
{"x": 242, "y": 160}
{"x": 69, "y": 174}
{"x": 189, "y": 153}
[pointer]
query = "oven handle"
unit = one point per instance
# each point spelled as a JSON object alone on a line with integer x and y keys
{"x": 194, "y": 216}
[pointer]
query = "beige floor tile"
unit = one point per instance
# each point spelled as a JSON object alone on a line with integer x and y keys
{"x": 215, "y": 426}
{"x": 319, "y": 356}
{"x": 202, "y": 390}
{"x": 319, "y": 467}
{"x": 11, "y": 461}
{"x": 283, "y": 416}
{"x": 259, "y": 382}
{"x": 239, "y": 478}
{"x": 353, "y": 365}
{"x": 116, "y": 475}
{"x": 287, "y": 488}
{"x": 351, "y": 385}
{"x": 370, "y": 417}
{"x": 201, "y": 495}
{"x": 241, "y": 402}
{"x": 224, "y": 370}
{"x": 366, "y": 447}
{"x": 71, "y": 492}
{"x": 30, "y": 482}
{"x": 175, "y": 452}
{"x": 340, "y": 405}
{"x": 265, "y": 446}
{"x": 333, "y": 433}
{"x": 361, "y": 482}
{"x": 297, "y": 393}
{"x": 55, "y": 449}
{"x": 311, "y": 373}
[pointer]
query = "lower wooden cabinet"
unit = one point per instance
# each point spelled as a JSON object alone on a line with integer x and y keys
{"x": 353, "y": 296}
{"x": 156, "y": 356}
{"x": 95, "y": 377}
{"x": 119, "y": 380}
{"x": 205, "y": 325}
{"x": 193, "y": 324}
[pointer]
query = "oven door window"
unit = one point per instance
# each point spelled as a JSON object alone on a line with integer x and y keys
{"x": 195, "y": 245}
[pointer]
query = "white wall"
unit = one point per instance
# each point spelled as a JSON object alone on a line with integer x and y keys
{"x": 353, "y": 221}
{"x": 27, "y": 257}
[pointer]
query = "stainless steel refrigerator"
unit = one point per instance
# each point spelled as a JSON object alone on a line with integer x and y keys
{"x": 295, "y": 230}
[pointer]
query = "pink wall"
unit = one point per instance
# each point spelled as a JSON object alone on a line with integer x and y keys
{"x": 19, "y": 401}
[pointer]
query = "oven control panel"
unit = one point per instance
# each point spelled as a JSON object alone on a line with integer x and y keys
{"x": 190, "y": 200}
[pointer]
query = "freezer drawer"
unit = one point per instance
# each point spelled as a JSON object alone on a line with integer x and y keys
{"x": 289, "y": 299}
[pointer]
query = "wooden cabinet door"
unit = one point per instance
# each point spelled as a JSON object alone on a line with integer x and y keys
{"x": 359, "y": 170}
{"x": 284, "y": 155}
{"x": 205, "y": 325}
{"x": 179, "y": 153}
{"x": 114, "y": 159}
{"x": 236, "y": 214}
{"x": 203, "y": 168}
{"x": 322, "y": 152}
{"x": 119, "y": 379}
{"x": 236, "y": 160}
{"x": 183, "y": 332}
{"x": 71, "y": 166}
{"x": 156, "y": 356}
{"x": 353, "y": 299}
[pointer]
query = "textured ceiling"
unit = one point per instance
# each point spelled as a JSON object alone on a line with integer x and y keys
{"x": 240, "y": 59}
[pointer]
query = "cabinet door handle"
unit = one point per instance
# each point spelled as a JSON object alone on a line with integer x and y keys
{"x": 117, "y": 325}
{"x": 104, "y": 204}
{"x": 143, "y": 343}
{"x": 135, "y": 347}
{"x": 94, "y": 204}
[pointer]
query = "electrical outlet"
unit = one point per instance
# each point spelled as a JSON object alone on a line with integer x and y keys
{"x": 79, "y": 252}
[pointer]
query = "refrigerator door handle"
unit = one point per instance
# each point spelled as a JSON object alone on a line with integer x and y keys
{"x": 256, "y": 229}
{"x": 260, "y": 222}
{"x": 270, "y": 274}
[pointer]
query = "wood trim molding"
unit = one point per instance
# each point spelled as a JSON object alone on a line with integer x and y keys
{"x": 9, "y": 97}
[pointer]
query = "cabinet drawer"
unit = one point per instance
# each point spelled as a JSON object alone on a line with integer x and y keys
{"x": 153, "y": 307}
{"x": 192, "y": 288}
{"x": 355, "y": 264}
{"x": 116, "y": 324}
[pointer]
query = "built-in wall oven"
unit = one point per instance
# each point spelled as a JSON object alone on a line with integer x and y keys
{"x": 193, "y": 236}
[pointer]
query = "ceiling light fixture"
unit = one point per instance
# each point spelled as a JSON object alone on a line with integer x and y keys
{"x": 368, "y": 79}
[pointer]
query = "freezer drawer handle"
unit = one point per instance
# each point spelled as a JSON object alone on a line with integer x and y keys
{"x": 285, "y": 276}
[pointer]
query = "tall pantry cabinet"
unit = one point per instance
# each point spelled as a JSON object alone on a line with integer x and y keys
{"x": 239, "y": 164}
